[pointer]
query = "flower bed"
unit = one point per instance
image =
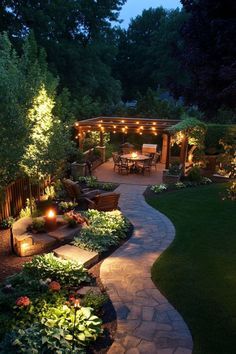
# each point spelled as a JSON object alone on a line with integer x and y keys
{"x": 92, "y": 182}
{"x": 165, "y": 187}
{"x": 42, "y": 310}
{"x": 105, "y": 229}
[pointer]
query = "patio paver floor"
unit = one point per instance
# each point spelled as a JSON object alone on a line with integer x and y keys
{"x": 106, "y": 173}
{"x": 146, "y": 321}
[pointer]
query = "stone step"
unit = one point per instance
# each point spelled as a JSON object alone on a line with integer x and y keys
{"x": 64, "y": 233}
{"x": 74, "y": 253}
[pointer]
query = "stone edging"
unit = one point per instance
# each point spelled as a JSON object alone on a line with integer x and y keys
{"x": 146, "y": 321}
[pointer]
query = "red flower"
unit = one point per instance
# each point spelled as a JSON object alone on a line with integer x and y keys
{"x": 23, "y": 301}
{"x": 71, "y": 298}
{"x": 54, "y": 286}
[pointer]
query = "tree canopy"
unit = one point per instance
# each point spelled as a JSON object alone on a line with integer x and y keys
{"x": 210, "y": 52}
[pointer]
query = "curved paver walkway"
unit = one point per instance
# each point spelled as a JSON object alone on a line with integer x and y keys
{"x": 146, "y": 322}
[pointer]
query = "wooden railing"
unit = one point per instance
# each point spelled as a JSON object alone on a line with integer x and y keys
{"x": 14, "y": 196}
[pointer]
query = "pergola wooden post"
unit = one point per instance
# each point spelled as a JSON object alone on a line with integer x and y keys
{"x": 101, "y": 139}
{"x": 81, "y": 139}
{"x": 165, "y": 155}
{"x": 184, "y": 152}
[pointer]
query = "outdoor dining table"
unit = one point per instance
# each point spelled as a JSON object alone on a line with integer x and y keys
{"x": 134, "y": 159}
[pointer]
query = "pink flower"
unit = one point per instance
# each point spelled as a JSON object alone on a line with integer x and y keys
{"x": 23, "y": 301}
{"x": 54, "y": 286}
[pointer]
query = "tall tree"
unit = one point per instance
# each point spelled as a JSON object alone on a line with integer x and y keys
{"x": 149, "y": 52}
{"x": 76, "y": 37}
{"x": 210, "y": 53}
{"x": 12, "y": 112}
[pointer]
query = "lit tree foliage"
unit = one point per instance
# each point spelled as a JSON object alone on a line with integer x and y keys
{"x": 40, "y": 124}
{"x": 12, "y": 112}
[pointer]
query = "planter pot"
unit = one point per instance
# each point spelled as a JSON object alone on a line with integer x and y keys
{"x": 5, "y": 242}
{"x": 220, "y": 179}
{"x": 170, "y": 178}
{"x": 78, "y": 170}
{"x": 96, "y": 163}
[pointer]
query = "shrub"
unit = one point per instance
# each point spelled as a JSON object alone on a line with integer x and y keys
{"x": 66, "y": 272}
{"x": 159, "y": 188}
{"x": 231, "y": 192}
{"x": 26, "y": 211}
{"x": 174, "y": 169}
{"x": 67, "y": 206}
{"x": 180, "y": 185}
{"x": 107, "y": 186}
{"x": 50, "y": 192}
{"x": 105, "y": 229}
{"x": 7, "y": 223}
{"x": 194, "y": 174}
{"x": 94, "y": 300}
{"x": 38, "y": 225}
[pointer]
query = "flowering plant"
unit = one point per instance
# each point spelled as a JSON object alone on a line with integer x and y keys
{"x": 180, "y": 185}
{"x": 54, "y": 286}
{"x": 23, "y": 301}
{"x": 158, "y": 188}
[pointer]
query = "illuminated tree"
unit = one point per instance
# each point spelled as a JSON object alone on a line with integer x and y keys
{"x": 12, "y": 112}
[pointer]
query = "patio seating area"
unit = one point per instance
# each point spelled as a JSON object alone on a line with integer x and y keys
{"x": 106, "y": 173}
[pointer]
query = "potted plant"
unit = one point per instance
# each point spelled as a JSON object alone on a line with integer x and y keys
{"x": 173, "y": 174}
{"x": 78, "y": 165}
{"x": 5, "y": 236}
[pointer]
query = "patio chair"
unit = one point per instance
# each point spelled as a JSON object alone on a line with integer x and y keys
{"x": 145, "y": 166}
{"x": 155, "y": 160}
{"x": 104, "y": 202}
{"x": 75, "y": 192}
{"x": 124, "y": 166}
{"x": 116, "y": 160}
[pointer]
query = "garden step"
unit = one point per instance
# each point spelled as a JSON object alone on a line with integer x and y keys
{"x": 74, "y": 253}
{"x": 64, "y": 233}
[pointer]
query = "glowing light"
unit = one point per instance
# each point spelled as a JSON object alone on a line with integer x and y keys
{"x": 76, "y": 124}
{"x": 154, "y": 123}
{"x": 123, "y": 129}
{"x": 114, "y": 131}
{"x": 126, "y": 127}
{"x": 137, "y": 122}
{"x": 134, "y": 155}
{"x": 51, "y": 214}
{"x": 155, "y": 134}
{"x": 114, "y": 126}
{"x": 122, "y": 121}
{"x": 140, "y": 133}
{"x": 99, "y": 125}
{"x": 141, "y": 127}
{"x": 153, "y": 128}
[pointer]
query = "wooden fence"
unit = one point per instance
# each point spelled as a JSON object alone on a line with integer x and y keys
{"x": 14, "y": 197}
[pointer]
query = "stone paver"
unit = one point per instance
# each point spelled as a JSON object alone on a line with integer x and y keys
{"x": 75, "y": 253}
{"x": 146, "y": 322}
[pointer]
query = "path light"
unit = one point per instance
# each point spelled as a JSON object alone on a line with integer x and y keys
{"x": 50, "y": 219}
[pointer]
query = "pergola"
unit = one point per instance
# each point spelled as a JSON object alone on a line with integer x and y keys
{"x": 135, "y": 125}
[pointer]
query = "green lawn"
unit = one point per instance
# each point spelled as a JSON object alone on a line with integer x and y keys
{"x": 198, "y": 271}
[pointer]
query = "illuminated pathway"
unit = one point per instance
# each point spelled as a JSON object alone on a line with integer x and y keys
{"x": 146, "y": 322}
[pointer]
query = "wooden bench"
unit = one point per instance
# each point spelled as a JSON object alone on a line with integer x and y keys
{"x": 104, "y": 202}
